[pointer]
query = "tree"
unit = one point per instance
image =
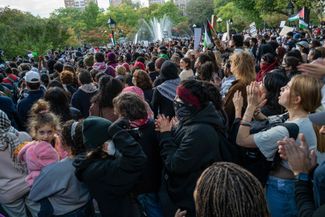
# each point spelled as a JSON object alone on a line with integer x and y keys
{"x": 199, "y": 11}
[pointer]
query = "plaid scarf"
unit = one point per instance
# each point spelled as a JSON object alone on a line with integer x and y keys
{"x": 9, "y": 139}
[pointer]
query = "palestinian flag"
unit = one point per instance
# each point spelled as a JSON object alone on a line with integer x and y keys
{"x": 208, "y": 31}
{"x": 207, "y": 40}
{"x": 111, "y": 36}
{"x": 300, "y": 14}
{"x": 303, "y": 24}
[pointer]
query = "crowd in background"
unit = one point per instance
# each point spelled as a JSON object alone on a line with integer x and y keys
{"x": 235, "y": 129}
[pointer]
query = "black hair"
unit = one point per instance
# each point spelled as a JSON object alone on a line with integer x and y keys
{"x": 206, "y": 71}
{"x": 84, "y": 76}
{"x": 74, "y": 142}
{"x": 238, "y": 40}
{"x": 59, "y": 103}
{"x": 273, "y": 82}
{"x": 109, "y": 88}
{"x": 99, "y": 57}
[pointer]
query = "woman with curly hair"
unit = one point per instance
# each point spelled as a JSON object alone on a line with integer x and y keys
{"x": 142, "y": 80}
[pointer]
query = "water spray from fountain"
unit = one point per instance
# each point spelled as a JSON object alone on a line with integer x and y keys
{"x": 154, "y": 30}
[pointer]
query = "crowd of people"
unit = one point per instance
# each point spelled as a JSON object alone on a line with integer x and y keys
{"x": 236, "y": 129}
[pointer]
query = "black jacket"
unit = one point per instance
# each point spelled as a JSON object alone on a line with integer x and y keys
{"x": 305, "y": 200}
{"x": 150, "y": 179}
{"x": 161, "y": 105}
{"x": 111, "y": 180}
{"x": 186, "y": 152}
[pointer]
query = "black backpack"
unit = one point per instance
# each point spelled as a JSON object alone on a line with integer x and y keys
{"x": 254, "y": 161}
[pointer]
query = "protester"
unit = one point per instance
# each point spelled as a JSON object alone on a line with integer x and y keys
{"x": 110, "y": 175}
{"x": 190, "y": 148}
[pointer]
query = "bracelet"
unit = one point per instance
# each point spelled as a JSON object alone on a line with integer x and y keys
{"x": 257, "y": 111}
{"x": 245, "y": 123}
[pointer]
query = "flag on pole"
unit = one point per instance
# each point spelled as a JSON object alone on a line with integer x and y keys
{"x": 207, "y": 42}
{"x": 303, "y": 24}
{"x": 300, "y": 14}
{"x": 111, "y": 36}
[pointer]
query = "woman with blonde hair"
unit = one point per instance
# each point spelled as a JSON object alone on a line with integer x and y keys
{"x": 242, "y": 65}
{"x": 300, "y": 96}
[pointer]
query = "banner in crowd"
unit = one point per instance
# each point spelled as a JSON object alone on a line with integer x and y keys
{"x": 285, "y": 30}
{"x": 252, "y": 29}
{"x": 197, "y": 37}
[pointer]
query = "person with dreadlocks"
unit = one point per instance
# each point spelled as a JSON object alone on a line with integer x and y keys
{"x": 227, "y": 190}
{"x": 191, "y": 147}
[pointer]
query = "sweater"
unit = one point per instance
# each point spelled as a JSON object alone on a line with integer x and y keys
{"x": 81, "y": 99}
{"x": 65, "y": 192}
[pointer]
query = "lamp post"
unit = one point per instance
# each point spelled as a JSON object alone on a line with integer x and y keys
{"x": 112, "y": 24}
{"x": 290, "y": 8}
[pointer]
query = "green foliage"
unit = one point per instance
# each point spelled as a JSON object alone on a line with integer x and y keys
{"x": 199, "y": 11}
{"x": 22, "y": 32}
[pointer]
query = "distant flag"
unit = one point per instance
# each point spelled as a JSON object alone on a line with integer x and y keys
{"x": 111, "y": 36}
{"x": 300, "y": 14}
{"x": 303, "y": 24}
{"x": 207, "y": 42}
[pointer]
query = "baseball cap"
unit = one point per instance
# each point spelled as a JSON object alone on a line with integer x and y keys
{"x": 303, "y": 43}
{"x": 32, "y": 77}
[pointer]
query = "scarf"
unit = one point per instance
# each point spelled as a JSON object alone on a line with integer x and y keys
{"x": 9, "y": 139}
{"x": 88, "y": 88}
{"x": 265, "y": 68}
{"x": 168, "y": 88}
{"x": 183, "y": 111}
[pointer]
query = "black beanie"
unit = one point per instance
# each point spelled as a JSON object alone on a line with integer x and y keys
{"x": 94, "y": 130}
{"x": 169, "y": 70}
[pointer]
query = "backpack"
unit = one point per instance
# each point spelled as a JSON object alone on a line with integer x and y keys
{"x": 252, "y": 159}
{"x": 14, "y": 88}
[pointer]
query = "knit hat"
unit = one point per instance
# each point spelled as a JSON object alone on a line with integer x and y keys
{"x": 169, "y": 70}
{"x": 133, "y": 89}
{"x": 94, "y": 130}
{"x": 139, "y": 65}
{"x": 187, "y": 97}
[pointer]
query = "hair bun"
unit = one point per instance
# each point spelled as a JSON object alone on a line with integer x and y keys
{"x": 40, "y": 107}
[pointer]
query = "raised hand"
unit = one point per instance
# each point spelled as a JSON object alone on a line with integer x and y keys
{"x": 315, "y": 69}
{"x": 180, "y": 213}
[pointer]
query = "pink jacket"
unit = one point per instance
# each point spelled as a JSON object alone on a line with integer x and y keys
{"x": 37, "y": 154}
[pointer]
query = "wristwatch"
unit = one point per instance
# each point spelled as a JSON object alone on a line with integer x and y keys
{"x": 303, "y": 177}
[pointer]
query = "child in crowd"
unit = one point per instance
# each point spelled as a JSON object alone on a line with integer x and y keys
{"x": 46, "y": 147}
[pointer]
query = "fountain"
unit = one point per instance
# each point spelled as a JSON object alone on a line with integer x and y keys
{"x": 154, "y": 30}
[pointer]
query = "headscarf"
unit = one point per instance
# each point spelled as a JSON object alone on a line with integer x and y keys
{"x": 9, "y": 138}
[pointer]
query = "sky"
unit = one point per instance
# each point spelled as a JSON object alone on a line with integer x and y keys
{"x": 43, "y": 8}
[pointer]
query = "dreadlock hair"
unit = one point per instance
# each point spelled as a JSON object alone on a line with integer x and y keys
{"x": 74, "y": 142}
{"x": 227, "y": 190}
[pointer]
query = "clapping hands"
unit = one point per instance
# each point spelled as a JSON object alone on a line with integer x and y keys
{"x": 255, "y": 97}
{"x": 300, "y": 159}
{"x": 164, "y": 123}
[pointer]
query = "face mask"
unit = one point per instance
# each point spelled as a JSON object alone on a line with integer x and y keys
{"x": 182, "y": 111}
{"x": 111, "y": 150}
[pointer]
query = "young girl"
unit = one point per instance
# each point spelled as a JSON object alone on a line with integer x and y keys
{"x": 46, "y": 147}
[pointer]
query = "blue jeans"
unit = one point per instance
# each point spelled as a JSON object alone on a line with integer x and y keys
{"x": 150, "y": 204}
{"x": 280, "y": 196}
